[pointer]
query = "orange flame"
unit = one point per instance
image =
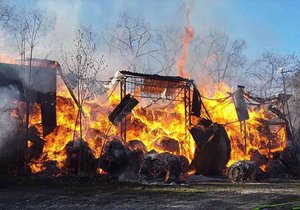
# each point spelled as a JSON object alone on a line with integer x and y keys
{"x": 258, "y": 136}
{"x": 188, "y": 37}
{"x": 149, "y": 125}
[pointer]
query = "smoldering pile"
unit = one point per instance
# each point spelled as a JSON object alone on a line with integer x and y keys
{"x": 123, "y": 160}
{"x": 132, "y": 161}
{"x": 281, "y": 165}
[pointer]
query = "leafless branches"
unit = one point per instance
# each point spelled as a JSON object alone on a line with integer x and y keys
{"x": 266, "y": 73}
{"x": 217, "y": 57}
{"x": 130, "y": 38}
{"x": 27, "y": 26}
{"x": 5, "y": 14}
{"x": 83, "y": 62}
{"x": 167, "y": 40}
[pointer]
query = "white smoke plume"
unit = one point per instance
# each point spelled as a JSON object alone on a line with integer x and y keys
{"x": 8, "y": 101}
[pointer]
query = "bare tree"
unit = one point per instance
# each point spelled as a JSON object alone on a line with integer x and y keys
{"x": 156, "y": 51}
{"x": 85, "y": 66}
{"x": 275, "y": 74}
{"x": 217, "y": 57}
{"x": 131, "y": 38}
{"x": 271, "y": 73}
{"x": 168, "y": 42}
{"x": 19, "y": 31}
{"x": 5, "y": 14}
{"x": 27, "y": 28}
{"x": 295, "y": 103}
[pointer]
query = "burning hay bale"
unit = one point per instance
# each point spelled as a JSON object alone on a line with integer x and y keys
{"x": 257, "y": 158}
{"x": 136, "y": 154}
{"x": 281, "y": 165}
{"x": 133, "y": 167}
{"x": 153, "y": 167}
{"x": 46, "y": 169}
{"x": 115, "y": 157}
{"x": 167, "y": 144}
{"x": 87, "y": 161}
{"x": 211, "y": 139}
{"x": 174, "y": 167}
{"x": 185, "y": 164}
{"x": 137, "y": 150}
{"x": 137, "y": 145}
{"x": 164, "y": 167}
{"x": 132, "y": 161}
{"x": 242, "y": 171}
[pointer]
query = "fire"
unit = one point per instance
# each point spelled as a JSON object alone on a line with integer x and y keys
{"x": 159, "y": 123}
{"x": 188, "y": 37}
{"x": 95, "y": 124}
{"x": 256, "y": 138}
{"x": 100, "y": 171}
{"x": 36, "y": 167}
{"x": 151, "y": 124}
{"x": 147, "y": 125}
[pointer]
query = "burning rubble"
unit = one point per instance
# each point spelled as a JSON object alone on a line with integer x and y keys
{"x": 157, "y": 128}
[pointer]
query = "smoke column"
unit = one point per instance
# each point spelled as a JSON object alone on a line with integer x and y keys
{"x": 186, "y": 40}
{"x": 8, "y": 97}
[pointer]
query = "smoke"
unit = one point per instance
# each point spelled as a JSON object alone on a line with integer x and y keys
{"x": 61, "y": 19}
{"x": 198, "y": 18}
{"x": 61, "y": 37}
{"x": 64, "y": 19}
{"x": 188, "y": 37}
{"x": 8, "y": 101}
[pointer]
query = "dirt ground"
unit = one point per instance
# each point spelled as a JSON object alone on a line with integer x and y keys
{"x": 112, "y": 194}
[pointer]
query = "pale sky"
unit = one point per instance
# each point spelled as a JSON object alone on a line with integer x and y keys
{"x": 264, "y": 24}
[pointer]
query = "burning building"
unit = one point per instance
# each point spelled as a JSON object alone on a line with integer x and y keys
{"x": 149, "y": 126}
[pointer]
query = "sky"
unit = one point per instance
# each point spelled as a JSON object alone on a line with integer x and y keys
{"x": 265, "y": 24}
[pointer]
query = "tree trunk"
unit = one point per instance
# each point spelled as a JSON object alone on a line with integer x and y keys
{"x": 27, "y": 99}
{"x": 80, "y": 131}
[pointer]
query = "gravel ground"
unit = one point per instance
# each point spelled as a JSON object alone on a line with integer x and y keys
{"x": 110, "y": 194}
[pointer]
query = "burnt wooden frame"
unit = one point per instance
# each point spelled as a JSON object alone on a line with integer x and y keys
{"x": 184, "y": 86}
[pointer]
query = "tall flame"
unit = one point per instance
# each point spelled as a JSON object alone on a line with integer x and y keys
{"x": 186, "y": 40}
